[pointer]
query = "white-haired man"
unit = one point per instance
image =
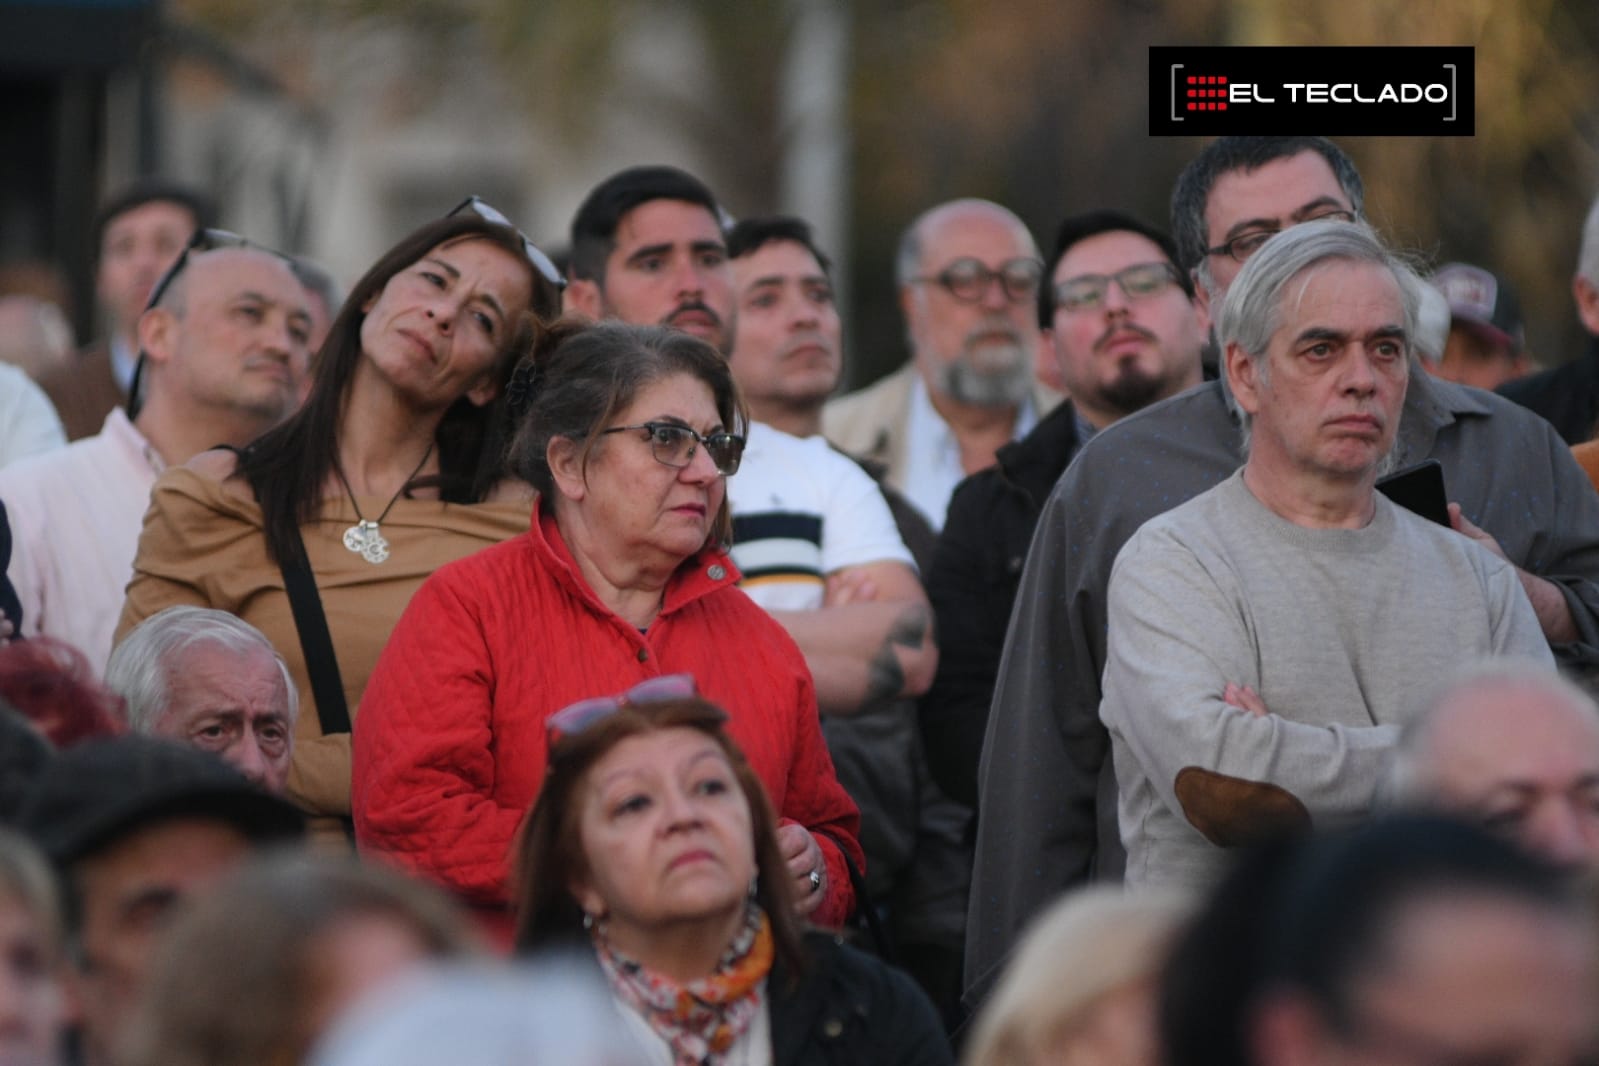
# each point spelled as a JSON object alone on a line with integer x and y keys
{"x": 1515, "y": 748}
{"x": 968, "y": 275}
{"x": 213, "y": 681}
{"x": 1268, "y": 638}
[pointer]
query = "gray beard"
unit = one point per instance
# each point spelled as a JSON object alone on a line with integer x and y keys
{"x": 1007, "y": 385}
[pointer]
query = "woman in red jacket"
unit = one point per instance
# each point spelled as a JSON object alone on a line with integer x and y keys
{"x": 628, "y": 435}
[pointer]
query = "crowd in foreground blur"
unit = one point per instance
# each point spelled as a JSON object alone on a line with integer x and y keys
{"x": 1180, "y": 659}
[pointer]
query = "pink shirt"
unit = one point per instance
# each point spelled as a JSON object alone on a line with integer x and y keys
{"x": 75, "y": 518}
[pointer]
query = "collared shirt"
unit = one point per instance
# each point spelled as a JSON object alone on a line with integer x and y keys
{"x": 124, "y": 358}
{"x": 76, "y": 513}
{"x": 933, "y": 465}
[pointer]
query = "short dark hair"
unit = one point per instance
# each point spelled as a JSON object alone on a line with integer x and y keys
{"x": 1227, "y": 154}
{"x": 594, "y": 225}
{"x": 548, "y": 853}
{"x": 751, "y": 234}
{"x": 1079, "y": 228}
{"x": 152, "y": 191}
{"x": 1308, "y": 914}
{"x": 582, "y": 374}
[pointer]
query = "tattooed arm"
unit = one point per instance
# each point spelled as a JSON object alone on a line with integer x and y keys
{"x": 871, "y": 641}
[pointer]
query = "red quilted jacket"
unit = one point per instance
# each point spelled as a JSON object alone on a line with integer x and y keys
{"x": 449, "y": 743}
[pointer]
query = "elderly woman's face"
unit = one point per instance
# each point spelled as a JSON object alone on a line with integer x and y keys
{"x": 31, "y": 1005}
{"x": 637, "y": 500}
{"x": 435, "y": 329}
{"x": 666, "y": 834}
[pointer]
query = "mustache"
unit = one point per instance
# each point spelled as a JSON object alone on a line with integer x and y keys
{"x": 995, "y": 327}
{"x": 1122, "y": 328}
{"x": 693, "y": 307}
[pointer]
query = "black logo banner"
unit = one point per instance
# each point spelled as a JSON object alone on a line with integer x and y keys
{"x": 1335, "y": 92}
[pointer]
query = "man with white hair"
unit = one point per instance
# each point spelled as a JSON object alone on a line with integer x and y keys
{"x": 213, "y": 681}
{"x": 1568, "y": 395}
{"x": 1047, "y": 820}
{"x": 968, "y": 275}
{"x": 1515, "y": 748}
{"x": 1268, "y": 638}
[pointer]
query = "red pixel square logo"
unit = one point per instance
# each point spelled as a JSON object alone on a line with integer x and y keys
{"x": 1207, "y": 92}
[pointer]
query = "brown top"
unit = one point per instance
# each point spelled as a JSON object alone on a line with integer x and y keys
{"x": 203, "y": 544}
{"x": 1587, "y": 456}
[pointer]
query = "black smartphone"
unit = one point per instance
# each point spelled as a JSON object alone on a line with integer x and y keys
{"x": 1419, "y": 488}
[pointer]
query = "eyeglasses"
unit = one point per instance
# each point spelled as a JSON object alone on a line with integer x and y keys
{"x": 541, "y": 262}
{"x": 573, "y": 719}
{"x": 202, "y": 240}
{"x": 968, "y": 279}
{"x": 674, "y": 445}
{"x": 1088, "y": 292}
{"x": 1245, "y": 245}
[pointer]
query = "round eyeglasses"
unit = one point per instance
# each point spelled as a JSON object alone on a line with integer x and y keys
{"x": 968, "y": 279}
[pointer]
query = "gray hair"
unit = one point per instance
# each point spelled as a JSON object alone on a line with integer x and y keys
{"x": 139, "y": 673}
{"x": 908, "y": 260}
{"x": 1409, "y": 779}
{"x": 1251, "y": 312}
{"x": 1588, "y": 254}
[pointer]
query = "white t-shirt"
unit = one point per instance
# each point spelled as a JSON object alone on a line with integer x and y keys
{"x": 802, "y": 510}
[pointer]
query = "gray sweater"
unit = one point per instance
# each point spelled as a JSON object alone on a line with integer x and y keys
{"x": 1342, "y": 632}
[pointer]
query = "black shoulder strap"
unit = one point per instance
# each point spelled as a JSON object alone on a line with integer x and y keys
{"x": 316, "y": 644}
{"x": 311, "y": 623}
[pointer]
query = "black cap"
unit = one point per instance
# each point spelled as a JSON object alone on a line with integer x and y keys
{"x": 94, "y": 793}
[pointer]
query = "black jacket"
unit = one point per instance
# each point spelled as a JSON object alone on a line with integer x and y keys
{"x": 849, "y": 1009}
{"x": 1567, "y": 396}
{"x": 972, "y": 585}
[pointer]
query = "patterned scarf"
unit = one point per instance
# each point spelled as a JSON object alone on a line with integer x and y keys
{"x": 702, "y": 1019}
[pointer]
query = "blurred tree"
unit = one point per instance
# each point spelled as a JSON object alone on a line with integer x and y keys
{"x": 1039, "y": 105}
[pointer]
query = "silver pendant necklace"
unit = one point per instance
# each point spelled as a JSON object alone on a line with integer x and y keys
{"x": 365, "y": 538}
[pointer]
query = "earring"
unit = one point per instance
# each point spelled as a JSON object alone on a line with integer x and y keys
{"x": 588, "y": 921}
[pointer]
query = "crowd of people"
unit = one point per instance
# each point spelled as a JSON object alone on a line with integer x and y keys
{"x": 1181, "y": 659}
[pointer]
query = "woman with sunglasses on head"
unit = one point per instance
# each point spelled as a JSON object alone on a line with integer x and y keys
{"x": 653, "y": 845}
{"x": 623, "y": 577}
{"x": 319, "y": 531}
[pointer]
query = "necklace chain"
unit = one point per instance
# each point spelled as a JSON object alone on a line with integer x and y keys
{"x": 365, "y": 538}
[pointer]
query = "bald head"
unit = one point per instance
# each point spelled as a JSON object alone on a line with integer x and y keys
{"x": 968, "y": 272}
{"x": 1518, "y": 750}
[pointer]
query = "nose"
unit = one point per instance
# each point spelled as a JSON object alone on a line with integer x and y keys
{"x": 1360, "y": 373}
{"x": 1567, "y": 833}
{"x": 247, "y": 757}
{"x": 689, "y": 277}
{"x": 680, "y": 809}
{"x": 1116, "y": 301}
{"x": 994, "y": 296}
{"x": 701, "y": 467}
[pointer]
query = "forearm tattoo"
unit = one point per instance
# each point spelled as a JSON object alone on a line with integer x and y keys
{"x": 885, "y": 677}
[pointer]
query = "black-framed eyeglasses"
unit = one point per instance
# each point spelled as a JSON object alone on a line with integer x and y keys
{"x": 487, "y": 211}
{"x": 1245, "y": 245}
{"x": 968, "y": 279}
{"x": 1088, "y": 291}
{"x": 201, "y": 240}
{"x": 575, "y": 718}
{"x": 674, "y": 444}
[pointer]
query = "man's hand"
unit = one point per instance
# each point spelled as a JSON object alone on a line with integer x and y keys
{"x": 1245, "y": 699}
{"x": 804, "y": 858}
{"x": 1548, "y": 602}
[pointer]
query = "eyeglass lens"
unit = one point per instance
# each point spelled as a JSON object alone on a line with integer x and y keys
{"x": 968, "y": 279}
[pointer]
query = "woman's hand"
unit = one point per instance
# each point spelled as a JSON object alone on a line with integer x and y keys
{"x": 804, "y": 859}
